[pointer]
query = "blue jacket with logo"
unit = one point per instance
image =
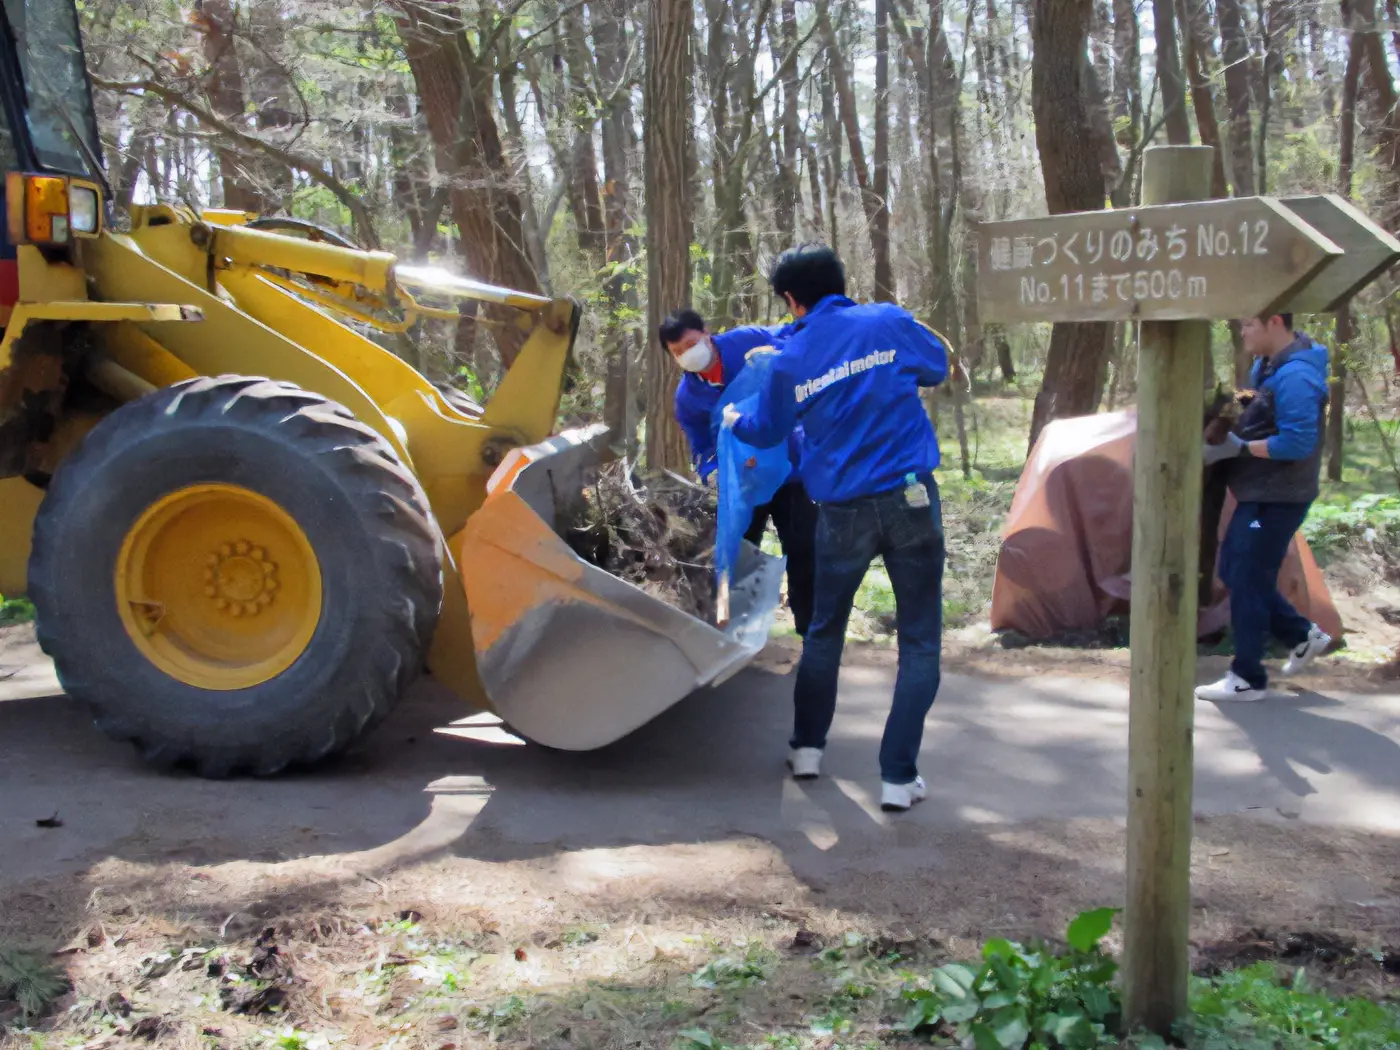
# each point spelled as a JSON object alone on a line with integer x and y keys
{"x": 696, "y": 396}
{"x": 850, "y": 375}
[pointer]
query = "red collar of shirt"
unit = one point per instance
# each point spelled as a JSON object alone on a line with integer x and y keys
{"x": 714, "y": 375}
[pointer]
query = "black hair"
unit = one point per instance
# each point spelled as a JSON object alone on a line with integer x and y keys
{"x": 1286, "y": 318}
{"x": 679, "y": 322}
{"x": 809, "y": 273}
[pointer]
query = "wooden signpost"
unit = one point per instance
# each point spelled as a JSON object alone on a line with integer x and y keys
{"x": 1174, "y": 264}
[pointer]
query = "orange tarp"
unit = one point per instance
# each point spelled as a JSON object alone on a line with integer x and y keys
{"x": 1067, "y": 543}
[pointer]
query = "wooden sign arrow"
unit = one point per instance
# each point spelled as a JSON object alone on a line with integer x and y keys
{"x": 1370, "y": 251}
{"x": 1169, "y": 262}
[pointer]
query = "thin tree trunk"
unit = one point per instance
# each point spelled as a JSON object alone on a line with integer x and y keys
{"x": 1200, "y": 55}
{"x": 1337, "y": 393}
{"x": 832, "y": 165}
{"x": 1392, "y": 12}
{"x": 224, "y": 84}
{"x": 1004, "y": 359}
{"x": 515, "y": 142}
{"x": 1273, "y": 28}
{"x": 1169, "y": 77}
{"x": 583, "y": 106}
{"x": 1238, "y": 95}
{"x": 669, "y": 58}
{"x": 1074, "y": 368}
{"x": 869, "y": 196}
{"x": 1100, "y": 129}
{"x": 1127, "y": 89}
{"x": 613, "y": 83}
{"x": 789, "y": 186}
{"x": 880, "y": 223}
{"x": 1384, "y": 105}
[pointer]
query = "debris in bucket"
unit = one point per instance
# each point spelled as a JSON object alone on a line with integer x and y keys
{"x": 654, "y": 530}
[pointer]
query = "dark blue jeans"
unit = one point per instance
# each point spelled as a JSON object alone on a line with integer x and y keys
{"x": 910, "y": 539}
{"x": 1250, "y": 558}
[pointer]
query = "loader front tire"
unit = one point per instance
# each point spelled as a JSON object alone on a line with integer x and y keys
{"x": 236, "y": 575}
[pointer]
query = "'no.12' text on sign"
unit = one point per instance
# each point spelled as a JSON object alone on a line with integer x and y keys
{"x": 1169, "y": 262}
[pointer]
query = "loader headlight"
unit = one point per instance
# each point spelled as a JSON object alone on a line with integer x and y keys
{"x": 51, "y": 209}
{"x": 83, "y": 209}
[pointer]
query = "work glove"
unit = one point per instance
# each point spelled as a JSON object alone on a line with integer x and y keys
{"x": 731, "y": 415}
{"x": 1232, "y": 446}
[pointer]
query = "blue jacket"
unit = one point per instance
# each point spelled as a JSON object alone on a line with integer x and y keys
{"x": 1297, "y": 381}
{"x": 850, "y": 375}
{"x": 1299, "y": 386}
{"x": 696, "y": 397}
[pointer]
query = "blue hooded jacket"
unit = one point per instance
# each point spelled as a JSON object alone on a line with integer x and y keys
{"x": 696, "y": 396}
{"x": 1297, "y": 381}
{"x": 850, "y": 375}
{"x": 1299, "y": 386}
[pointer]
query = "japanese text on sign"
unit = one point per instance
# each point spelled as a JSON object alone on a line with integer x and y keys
{"x": 1217, "y": 258}
{"x": 1112, "y": 261}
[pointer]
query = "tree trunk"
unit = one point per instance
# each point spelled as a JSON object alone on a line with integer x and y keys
{"x": 614, "y": 86}
{"x": 1337, "y": 392}
{"x": 1200, "y": 55}
{"x": 1235, "y": 51}
{"x": 1004, "y": 360}
{"x": 1384, "y": 105}
{"x": 789, "y": 187}
{"x": 455, "y": 88}
{"x": 832, "y": 165}
{"x": 880, "y": 221}
{"x": 937, "y": 283}
{"x": 669, "y": 59}
{"x": 224, "y": 84}
{"x": 1392, "y": 12}
{"x": 1273, "y": 27}
{"x": 583, "y": 105}
{"x": 869, "y": 197}
{"x": 1100, "y": 128}
{"x": 1127, "y": 89}
{"x": 515, "y": 143}
{"x": 1169, "y": 77}
{"x": 1074, "y": 367}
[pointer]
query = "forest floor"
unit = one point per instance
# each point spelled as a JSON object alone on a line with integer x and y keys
{"x": 445, "y": 888}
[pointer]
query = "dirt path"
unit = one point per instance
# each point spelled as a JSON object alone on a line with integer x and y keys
{"x": 1026, "y": 782}
{"x": 636, "y": 865}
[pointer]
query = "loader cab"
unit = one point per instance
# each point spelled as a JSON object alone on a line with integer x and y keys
{"x": 53, "y": 190}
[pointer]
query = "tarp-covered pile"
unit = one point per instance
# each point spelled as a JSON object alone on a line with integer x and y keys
{"x": 1067, "y": 543}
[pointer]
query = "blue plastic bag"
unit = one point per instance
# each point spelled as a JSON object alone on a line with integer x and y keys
{"x": 748, "y": 477}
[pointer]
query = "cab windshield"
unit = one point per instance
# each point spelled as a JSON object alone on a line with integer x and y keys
{"x": 59, "y": 111}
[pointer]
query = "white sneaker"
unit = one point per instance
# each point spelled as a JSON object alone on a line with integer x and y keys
{"x": 1308, "y": 651}
{"x": 896, "y": 798}
{"x": 805, "y": 763}
{"x": 1231, "y": 687}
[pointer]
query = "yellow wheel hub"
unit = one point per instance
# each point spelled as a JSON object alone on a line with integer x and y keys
{"x": 218, "y": 587}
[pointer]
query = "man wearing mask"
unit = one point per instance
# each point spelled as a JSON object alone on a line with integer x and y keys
{"x": 710, "y": 363}
{"x": 850, "y": 375}
{"x": 1274, "y": 481}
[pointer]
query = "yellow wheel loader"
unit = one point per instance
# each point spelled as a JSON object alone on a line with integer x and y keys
{"x": 246, "y": 525}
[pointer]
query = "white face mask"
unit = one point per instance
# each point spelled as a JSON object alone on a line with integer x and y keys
{"x": 698, "y": 357}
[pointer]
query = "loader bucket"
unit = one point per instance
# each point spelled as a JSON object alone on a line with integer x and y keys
{"x": 570, "y": 656}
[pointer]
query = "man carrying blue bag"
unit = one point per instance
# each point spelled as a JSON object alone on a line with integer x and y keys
{"x": 715, "y": 366}
{"x": 850, "y": 375}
